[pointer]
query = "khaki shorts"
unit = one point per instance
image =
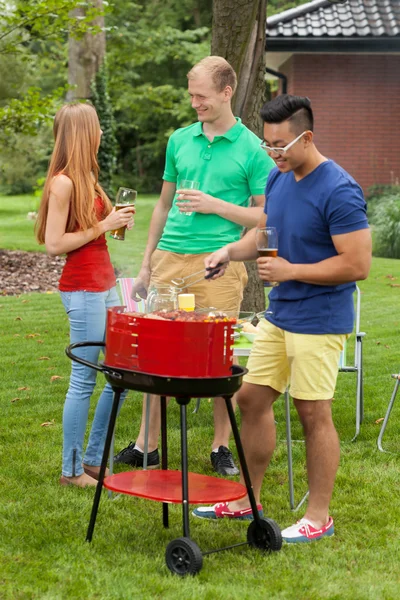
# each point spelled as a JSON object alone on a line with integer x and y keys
{"x": 225, "y": 293}
{"x": 309, "y": 362}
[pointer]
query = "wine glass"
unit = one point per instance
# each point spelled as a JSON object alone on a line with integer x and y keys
{"x": 267, "y": 245}
{"x": 125, "y": 197}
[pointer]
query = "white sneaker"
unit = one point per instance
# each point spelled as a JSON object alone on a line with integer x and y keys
{"x": 304, "y": 531}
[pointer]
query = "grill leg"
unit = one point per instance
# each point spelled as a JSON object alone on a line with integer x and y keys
{"x": 111, "y": 461}
{"x": 164, "y": 452}
{"x": 184, "y": 462}
{"x": 110, "y": 431}
{"x": 242, "y": 459}
{"x": 146, "y": 431}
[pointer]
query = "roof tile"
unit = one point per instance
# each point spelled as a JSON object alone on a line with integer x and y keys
{"x": 353, "y": 18}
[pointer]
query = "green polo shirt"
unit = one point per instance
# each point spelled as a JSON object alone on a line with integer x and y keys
{"x": 232, "y": 167}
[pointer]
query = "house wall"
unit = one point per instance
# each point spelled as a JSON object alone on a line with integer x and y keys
{"x": 356, "y": 104}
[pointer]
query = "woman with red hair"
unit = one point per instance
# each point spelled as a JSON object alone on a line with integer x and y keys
{"x": 74, "y": 215}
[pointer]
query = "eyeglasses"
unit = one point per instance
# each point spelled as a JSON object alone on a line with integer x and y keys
{"x": 281, "y": 150}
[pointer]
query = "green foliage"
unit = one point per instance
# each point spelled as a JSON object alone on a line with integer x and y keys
{"x": 143, "y": 133}
{"x": 278, "y": 6}
{"x": 23, "y": 22}
{"x": 380, "y": 190}
{"x": 383, "y": 207}
{"x": 386, "y": 227}
{"x": 26, "y": 115}
{"x": 150, "y": 50}
{"x": 33, "y": 39}
{"x": 107, "y": 156}
{"x": 23, "y": 161}
{"x": 26, "y": 30}
{"x": 377, "y": 194}
{"x": 150, "y": 47}
{"x": 25, "y": 142}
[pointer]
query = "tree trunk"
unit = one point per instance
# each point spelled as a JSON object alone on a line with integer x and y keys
{"x": 239, "y": 36}
{"x": 139, "y": 162}
{"x": 85, "y": 56}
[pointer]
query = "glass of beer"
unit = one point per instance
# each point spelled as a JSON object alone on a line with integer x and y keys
{"x": 125, "y": 197}
{"x": 187, "y": 184}
{"x": 267, "y": 245}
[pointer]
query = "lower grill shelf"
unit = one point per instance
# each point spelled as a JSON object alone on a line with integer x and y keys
{"x": 166, "y": 486}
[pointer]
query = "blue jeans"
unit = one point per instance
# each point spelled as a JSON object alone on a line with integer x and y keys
{"x": 87, "y": 313}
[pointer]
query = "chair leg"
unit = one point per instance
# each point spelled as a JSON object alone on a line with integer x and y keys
{"x": 389, "y": 410}
{"x": 289, "y": 450}
{"x": 358, "y": 392}
{"x": 358, "y": 367}
{"x": 361, "y": 384}
{"x": 293, "y": 505}
{"x": 197, "y": 406}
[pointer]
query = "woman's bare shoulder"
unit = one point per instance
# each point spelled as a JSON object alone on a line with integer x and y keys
{"x": 61, "y": 185}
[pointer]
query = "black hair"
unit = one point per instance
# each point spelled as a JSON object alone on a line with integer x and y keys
{"x": 295, "y": 109}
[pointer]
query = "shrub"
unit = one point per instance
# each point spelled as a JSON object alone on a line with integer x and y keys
{"x": 377, "y": 194}
{"x": 23, "y": 160}
{"x": 386, "y": 227}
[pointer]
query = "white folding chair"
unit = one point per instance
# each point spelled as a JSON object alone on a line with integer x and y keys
{"x": 356, "y": 367}
{"x": 388, "y": 412}
{"x": 125, "y": 285}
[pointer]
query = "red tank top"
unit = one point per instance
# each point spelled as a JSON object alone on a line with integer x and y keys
{"x": 89, "y": 267}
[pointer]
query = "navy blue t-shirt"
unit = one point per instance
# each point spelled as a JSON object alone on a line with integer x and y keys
{"x": 306, "y": 214}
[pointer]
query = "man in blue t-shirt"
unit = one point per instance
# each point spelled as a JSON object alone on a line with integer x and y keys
{"x": 324, "y": 247}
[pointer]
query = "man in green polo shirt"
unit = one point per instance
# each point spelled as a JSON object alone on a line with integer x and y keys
{"x": 228, "y": 164}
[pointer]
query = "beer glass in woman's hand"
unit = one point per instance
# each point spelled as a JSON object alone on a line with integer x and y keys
{"x": 267, "y": 245}
{"x": 125, "y": 198}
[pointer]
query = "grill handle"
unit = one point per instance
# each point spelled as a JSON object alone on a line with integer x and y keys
{"x": 72, "y": 356}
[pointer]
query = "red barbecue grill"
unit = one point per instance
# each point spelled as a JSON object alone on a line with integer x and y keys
{"x": 183, "y": 360}
{"x": 182, "y": 348}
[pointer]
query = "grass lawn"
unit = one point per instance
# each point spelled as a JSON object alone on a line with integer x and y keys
{"x": 43, "y": 554}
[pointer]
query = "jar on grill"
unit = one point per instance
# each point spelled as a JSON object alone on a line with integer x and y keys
{"x": 162, "y": 298}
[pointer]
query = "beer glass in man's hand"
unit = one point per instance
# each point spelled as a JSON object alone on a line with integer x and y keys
{"x": 124, "y": 199}
{"x": 267, "y": 245}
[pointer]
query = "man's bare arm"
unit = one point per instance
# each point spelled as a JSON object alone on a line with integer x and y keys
{"x": 242, "y": 215}
{"x": 197, "y": 201}
{"x": 352, "y": 263}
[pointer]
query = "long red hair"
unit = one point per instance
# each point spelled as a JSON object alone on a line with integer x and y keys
{"x": 77, "y": 137}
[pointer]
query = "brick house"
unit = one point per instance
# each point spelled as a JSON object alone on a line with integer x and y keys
{"x": 346, "y": 58}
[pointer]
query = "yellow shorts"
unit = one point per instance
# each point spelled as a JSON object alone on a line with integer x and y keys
{"x": 309, "y": 362}
{"x": 225, "y": 293}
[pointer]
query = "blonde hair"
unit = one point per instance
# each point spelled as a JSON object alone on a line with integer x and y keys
{"x": 77, "y": 135}
{"x": 222, "y": 74}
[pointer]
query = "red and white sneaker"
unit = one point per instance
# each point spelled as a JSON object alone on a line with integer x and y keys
{"x": 304, "y": 531}
{"x": 220, "y": 511}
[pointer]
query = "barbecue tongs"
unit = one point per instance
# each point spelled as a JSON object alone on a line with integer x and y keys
{"x": 184, "y": 282}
